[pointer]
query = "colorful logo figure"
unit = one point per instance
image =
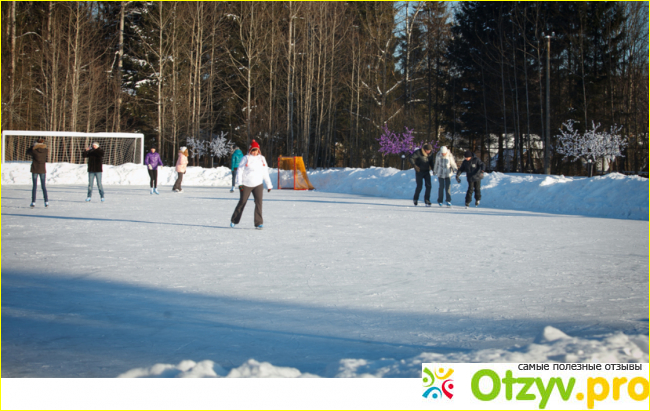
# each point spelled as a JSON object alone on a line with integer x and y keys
{"x": 429, "y": 379}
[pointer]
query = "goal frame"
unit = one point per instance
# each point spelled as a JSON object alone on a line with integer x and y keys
{"x": 295, "y": 172}
{"x": 32, "y": 133}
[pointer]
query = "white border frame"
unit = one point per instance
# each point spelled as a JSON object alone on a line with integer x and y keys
{"x": 70, "y": 134}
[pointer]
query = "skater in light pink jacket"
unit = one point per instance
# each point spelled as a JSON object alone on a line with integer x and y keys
{"x": 181, "y": 168}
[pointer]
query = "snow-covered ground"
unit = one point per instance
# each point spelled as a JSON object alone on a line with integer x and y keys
{"x": 338, "y": 284}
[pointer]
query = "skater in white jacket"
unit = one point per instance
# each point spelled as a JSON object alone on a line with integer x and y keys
{"x": 445, "y": 168}
{"x": 253, "y": 170}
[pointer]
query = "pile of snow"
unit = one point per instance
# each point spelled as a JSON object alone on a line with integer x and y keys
{"x": 610, "y": 196}
{"x": 126, "y": 174}
{"x": 552, "y": 345}
{"x": 208, "y": 369}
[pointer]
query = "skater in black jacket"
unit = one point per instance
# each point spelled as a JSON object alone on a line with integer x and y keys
{"x": 422, "y": 160}
{"x": 95, "y": 156}
{"x": 474, "y": 169}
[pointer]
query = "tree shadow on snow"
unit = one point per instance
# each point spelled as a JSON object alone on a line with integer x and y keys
{"x": 57, "y": 325}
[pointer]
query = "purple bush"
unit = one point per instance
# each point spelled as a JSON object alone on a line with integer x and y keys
{"x": 393, "y": 143}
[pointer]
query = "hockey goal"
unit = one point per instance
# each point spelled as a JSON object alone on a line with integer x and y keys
{"x": 292, "y": 174}
{"x": 66, "y": 147}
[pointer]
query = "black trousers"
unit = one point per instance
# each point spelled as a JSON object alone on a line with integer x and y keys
{"x": 426, "y": 177}
{"x": 475, "y": 188}
{"x": 244, "y": 193}
{"x": 179, "y": 180}
{"x": 153, "y": 178}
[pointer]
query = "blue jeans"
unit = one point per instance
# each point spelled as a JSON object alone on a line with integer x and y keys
{"x": 443, "y": 189}
{"x": 100, "y": 187}
{"x": 34, "y": 184}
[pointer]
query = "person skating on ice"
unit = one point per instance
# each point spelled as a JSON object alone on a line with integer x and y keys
{"x": 95, "y": 156}
{"x": 235, "y": 159}
{"x": 181, "y": 168}
{"x": 444, "y": 169}
{"x": 473, "y": 168}
{"x": 152, "y": 161}
{"x": 422, "y": 161}
{"x": 39, "y": 152}
{"x": 252, "y": 171}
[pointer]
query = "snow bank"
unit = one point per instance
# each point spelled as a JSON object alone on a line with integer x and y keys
{"x": 207, "y": 369}
{"x": 610, "y": 196}
{"x": 126, "y": 174}
{"x": 552, "y": 345}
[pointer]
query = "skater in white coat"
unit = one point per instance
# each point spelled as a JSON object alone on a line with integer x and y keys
{"x": 444, "y": 169}
{"x": 253, "y": 170}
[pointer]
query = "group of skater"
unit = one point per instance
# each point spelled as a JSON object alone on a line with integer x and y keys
{"x": 39, "y": 152}
{"x": 443, "y": 166}
{"x": 152, "y": 161}
{"x": 250, "y": 172}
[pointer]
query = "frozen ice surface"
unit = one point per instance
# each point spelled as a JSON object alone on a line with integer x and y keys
{"x": 337, "y": 284}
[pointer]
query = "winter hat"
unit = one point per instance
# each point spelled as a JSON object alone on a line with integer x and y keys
{"x": 468, "y": 153}
{"x": 96, "y": 144}
{"x": 427, "y": 147}
{"x": 253, "y": 145}
{"x": 182, "y": 149}
{"x": 444, "y": 150}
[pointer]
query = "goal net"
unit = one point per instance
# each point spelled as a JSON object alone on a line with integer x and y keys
{"x": 67, "y": 147}
{"x": 292, "y": 174}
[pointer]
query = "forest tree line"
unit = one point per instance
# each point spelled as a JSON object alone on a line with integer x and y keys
{"x": 321, "y": 79}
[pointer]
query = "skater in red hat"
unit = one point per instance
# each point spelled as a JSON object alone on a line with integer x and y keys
{"x": 252, "y": 171}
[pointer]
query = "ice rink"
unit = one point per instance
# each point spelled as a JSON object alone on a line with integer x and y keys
{"x": 335, "y": 284}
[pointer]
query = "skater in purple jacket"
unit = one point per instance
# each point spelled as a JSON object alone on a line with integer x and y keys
{"x": 152, "y": 161}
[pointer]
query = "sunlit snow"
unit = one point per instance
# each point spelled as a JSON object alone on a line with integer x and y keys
{"x": 350, "y": 280}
